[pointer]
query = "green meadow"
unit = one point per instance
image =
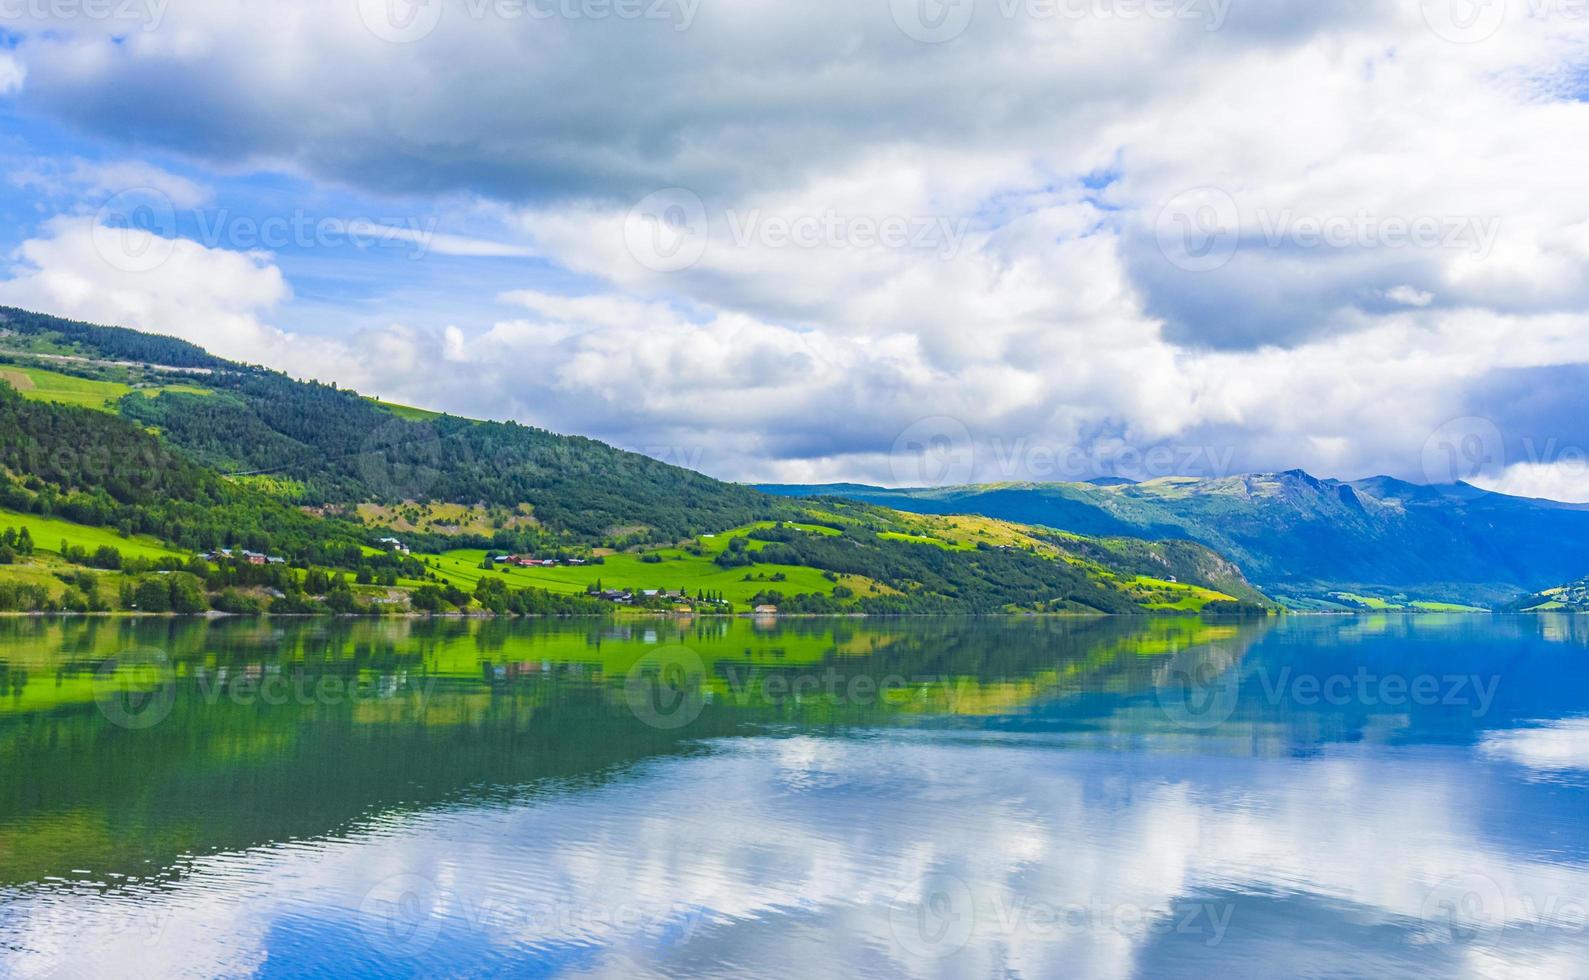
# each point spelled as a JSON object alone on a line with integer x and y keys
{"x": 37, "y": 384}
{"x": 49, "y": 532}
{"x": 663, "y": 568}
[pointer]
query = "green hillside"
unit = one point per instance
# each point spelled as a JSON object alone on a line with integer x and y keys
{"x": 1572, "y": 597}
{"x": 190, "y": 455}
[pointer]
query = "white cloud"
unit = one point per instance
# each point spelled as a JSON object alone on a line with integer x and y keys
{"x": 1033, "y": 838}
{"x": 107, "y": 179}
{"x": 12, "y": 74}
{"x": 1553, "y": 747}
{"x": 211, "y": 297}
{"x": 1037, "y": 156}
{"x": 1562, "y": 479}
{"x": 1409, "y": 296}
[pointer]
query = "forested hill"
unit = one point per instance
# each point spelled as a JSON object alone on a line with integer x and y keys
{"x": 53, "y": 335}
{"x": 320, "y": 444}
{"x": 345, "y": 449}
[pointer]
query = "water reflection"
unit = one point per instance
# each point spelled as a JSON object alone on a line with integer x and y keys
{"x": 1366, "y": 796}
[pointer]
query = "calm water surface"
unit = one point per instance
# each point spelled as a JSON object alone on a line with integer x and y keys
{"x": 1375, "y": 796}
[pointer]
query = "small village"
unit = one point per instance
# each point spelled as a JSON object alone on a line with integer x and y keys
{"x": 243, "y": 555}
{"x": 530, "y": 561}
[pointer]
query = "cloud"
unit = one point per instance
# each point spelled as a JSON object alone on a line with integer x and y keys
{"x": 12, "y": 74}
{"x": 1290, "y": 236}
{"x": 1562, "y": 479}
{"x": 1408, "y": 296}
{"x": 211, "y": 297}
{"x": 1552, "y": 747}
{"x": 1030, "y": 841}
{"x": 107, "y": 179}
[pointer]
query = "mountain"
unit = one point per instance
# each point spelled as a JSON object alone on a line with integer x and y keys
{"x": 181, "y": 454}
{"x": 1572, "y": 597}
{"x": 1299, "y": 536}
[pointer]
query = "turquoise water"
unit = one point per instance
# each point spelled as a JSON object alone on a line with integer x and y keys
{"x": 1372, "y": 796}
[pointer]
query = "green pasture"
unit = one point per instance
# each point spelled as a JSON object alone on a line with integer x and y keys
{"x": 49, "y": 532}
{"x": 37, "y": 384}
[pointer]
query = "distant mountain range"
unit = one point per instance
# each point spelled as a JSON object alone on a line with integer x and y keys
{"x": 1299, "y": 537}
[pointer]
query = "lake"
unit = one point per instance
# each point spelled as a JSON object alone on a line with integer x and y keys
{"x": 1373, "y": 796}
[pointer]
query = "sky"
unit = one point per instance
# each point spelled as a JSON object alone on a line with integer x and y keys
{"x": 902, "y": 242}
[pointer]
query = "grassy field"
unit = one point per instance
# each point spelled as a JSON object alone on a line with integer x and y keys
{"x": 37, "y": 384}
{"x": 674, "y": 568}
{"x": 440, "y": 518}
{"x": 408, "y": 412}
{"x": 1354, "y": 600}
{"x": 693, "y": 569}
{"x": 677, "y": 570}
{"x": 49, "y": 532}
{"x": 1425, "y": 606}
{"x": 1162, "y": 595}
